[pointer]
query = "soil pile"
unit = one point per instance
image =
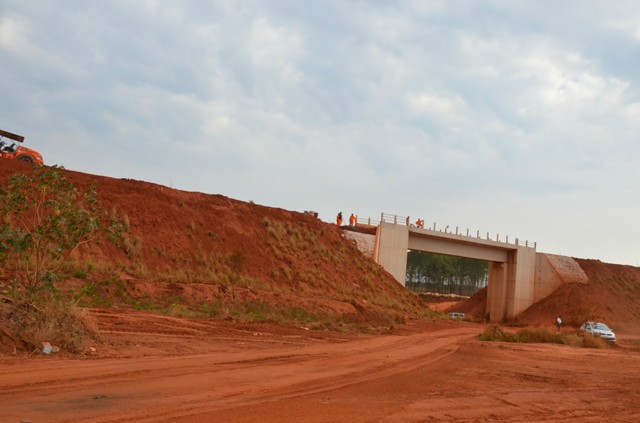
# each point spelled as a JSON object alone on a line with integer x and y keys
{"x": 189, "y": 252}
{"x": 612, "y": 295}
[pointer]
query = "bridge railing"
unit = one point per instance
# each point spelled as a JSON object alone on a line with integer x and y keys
{"x": 406, "y": 220}
{"x": 394, "y": 218}
{"x": 366, "y": 222}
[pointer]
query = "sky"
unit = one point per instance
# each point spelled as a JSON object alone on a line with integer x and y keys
{"x": 513, "y": 118}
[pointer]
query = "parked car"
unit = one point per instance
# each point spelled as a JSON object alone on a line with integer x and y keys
{"x": 599, "y": 329}
{"x": 456, "y": 315}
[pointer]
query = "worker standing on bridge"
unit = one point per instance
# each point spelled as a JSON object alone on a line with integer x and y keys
{"x": 339, "y": 219}
{"x": 352, "y": 220}
{"x": 420, "y": 223}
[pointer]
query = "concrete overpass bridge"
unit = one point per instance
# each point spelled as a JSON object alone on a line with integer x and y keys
{"x": 518, "y": 275}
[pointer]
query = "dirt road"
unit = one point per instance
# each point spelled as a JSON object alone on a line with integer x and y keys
{"x": 183, "y": 371}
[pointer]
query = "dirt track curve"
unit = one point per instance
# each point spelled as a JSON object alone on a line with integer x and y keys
{"x": 245, "y": 374}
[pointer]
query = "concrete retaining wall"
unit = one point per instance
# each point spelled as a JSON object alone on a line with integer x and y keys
{"x": 553, "y": 271}
{"x": 364, "y": 242}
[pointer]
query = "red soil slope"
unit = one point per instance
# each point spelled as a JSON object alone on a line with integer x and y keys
{"x": 195, "y": 250}
{"x": 191, "y": 248}
{"x": 612, "y": 295}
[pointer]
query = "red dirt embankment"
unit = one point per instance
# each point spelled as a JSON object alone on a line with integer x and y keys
{"x": 612, "y": 295}
{"x": 189, "y": 251}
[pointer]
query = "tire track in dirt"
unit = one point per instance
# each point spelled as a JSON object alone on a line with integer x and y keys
{"x": 164, "y": 388}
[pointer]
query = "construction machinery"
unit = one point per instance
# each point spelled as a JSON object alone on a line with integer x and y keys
{"x": 13, "y": 150}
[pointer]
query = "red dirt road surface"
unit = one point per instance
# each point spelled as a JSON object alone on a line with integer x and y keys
{"x": 220, "y": 371}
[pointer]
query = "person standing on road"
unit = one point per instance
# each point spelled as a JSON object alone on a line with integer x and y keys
{"x": 339, "y": 219}
{"x": 352, "y": 220}
{"x": 558, "y": 323}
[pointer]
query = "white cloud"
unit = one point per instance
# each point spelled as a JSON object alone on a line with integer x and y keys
{"x": 438, "y": 106}
{"x": 628, "y": 25}
{"x": 270, "y": 47}
{"x": 14, "y": 34}
{"x": 494, "y": 115}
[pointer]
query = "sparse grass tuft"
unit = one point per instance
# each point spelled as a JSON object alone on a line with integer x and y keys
{"x": 91, "y": 294}
{"x": 576, "y": 339}
{"x": 543, "y": 336}
{"x": 132, "y": 246}
{"x": 591, "y": 341}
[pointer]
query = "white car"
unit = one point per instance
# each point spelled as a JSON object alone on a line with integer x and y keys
{"x": 599, "y": 329}
{"x": 456, "y": 315}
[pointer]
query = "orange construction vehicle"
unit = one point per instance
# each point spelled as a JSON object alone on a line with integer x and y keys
{"x": 11, "y": 150}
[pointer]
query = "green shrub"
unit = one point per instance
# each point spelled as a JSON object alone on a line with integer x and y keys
{"x": 43, "y": 219}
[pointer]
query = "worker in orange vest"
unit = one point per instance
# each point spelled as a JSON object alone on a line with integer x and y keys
{"x": 420, "y": 223}
{"x": 352, "y": 220}
{"x": 339, "y": 219}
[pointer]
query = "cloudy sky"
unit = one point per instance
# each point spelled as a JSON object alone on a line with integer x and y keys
{"x": 516, "y": 118}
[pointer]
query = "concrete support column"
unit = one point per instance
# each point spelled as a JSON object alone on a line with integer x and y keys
{"x": 393, "y": 242}
{"x": 497, "y": 291}
{"x": 511, "y": 285}
{"x": 521, "y": 281}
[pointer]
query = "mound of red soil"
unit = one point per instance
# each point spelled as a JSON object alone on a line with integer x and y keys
{"x": 190, "y": 250}
{"x": 612, "y": 295}
{"x": 474, "y": 307}
{"x": 193, "y": 251}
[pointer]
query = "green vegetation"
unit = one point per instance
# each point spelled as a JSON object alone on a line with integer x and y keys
{"x": 44, "y": 218}
{"x": 102, "y": 293}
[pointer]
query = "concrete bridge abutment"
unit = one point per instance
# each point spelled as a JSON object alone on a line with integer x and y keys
{"x": 512, "y": 267}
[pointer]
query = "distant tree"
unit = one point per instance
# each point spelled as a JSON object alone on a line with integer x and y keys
{"x": 445, "y": 274}
{"x": 42, "y": 219}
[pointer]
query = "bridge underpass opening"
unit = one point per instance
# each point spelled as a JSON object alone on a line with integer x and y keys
{"x": 511, "y": 266}
{"x": 443, "y": 274}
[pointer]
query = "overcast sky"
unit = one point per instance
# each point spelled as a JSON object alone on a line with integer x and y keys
{"x": 516, "y": 118}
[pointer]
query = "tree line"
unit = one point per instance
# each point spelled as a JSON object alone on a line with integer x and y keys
{"x": 428, "y": 272}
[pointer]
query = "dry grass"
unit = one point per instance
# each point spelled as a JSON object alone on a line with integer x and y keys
{"x": 132, "y": 246}
{"x": 542, "y": 336}
{"x": 495, "y": 333}
{"x": 59, "y": 322}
